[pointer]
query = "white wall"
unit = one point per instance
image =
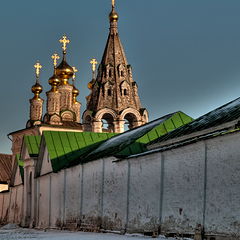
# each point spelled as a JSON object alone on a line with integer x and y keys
{"x": 115, "y": 190}
{"x": 174, "y": 190}
{"x": 223, "y": 184}
{"x": 183, "y": 181}
{"x": 144, "y": 193}
{"x": 11, "y": 205}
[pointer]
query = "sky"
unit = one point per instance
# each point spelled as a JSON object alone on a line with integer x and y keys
{"x": 185, "y": 54}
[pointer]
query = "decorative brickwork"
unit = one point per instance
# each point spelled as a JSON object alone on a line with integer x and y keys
{"x": 114, "y": 94}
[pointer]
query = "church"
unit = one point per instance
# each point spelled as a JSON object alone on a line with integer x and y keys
{"x": 110, "y": 169}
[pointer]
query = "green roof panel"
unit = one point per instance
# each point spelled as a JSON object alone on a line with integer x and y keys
{"x": 33, "y": 144}
{"x": 66, "y": 147}
{"x": 173, "y": 122}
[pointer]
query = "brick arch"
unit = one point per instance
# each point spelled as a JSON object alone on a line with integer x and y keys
{"x": 132, "y": 111}
{"x": 99, "y": 115}
{"x": 133, "y": 117}
{"x": 87, "y": 115}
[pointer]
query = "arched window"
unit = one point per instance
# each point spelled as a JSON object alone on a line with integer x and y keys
{"x": 109, "y": 92}
{"x": 122, "y": 73}
{"x": 130, "y": 121}
{"x": 125, "y": 93}
{"x": 107, "y": 123}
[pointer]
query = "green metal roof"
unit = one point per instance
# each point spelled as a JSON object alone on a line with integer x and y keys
{"x": 226, "y": 113}
{"x": 71, "y": 148}
{"x": 144, "y": 134}
{"x": 33, "y": 144}
{"x": 66, "y": 147}
{"x": 173, "y": 122}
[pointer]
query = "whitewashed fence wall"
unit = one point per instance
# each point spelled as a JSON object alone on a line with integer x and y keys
{"x": 175, "y": 190}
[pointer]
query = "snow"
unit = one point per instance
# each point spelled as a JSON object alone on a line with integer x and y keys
{"x": 13, "y": 233}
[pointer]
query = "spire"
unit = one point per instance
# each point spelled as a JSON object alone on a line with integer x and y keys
{"x": 114, "y": 94}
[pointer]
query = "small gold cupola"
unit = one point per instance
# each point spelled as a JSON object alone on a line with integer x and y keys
{"x": 37, "y": 88}
{"x": 64, "y": 71}
{"x": 113, "y": 16}
{"x": 54, "y": 81}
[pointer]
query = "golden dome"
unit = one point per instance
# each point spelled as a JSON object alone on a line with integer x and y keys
{"x": 37, "y": 88}
{"x": 75, "y": 91}
{"x": 113, "y": 16}
{"x": 90, "y": 84}
{"x": 64, "y": 71}
{"x": 54, "y": 81}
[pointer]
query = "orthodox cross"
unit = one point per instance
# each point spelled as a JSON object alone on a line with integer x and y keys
{"x": 37, "y": 66}
{"x": 74, "y": 75}
{"x": 55, "y": 57}
{"x": 94, "y": 63}
{"x": 64, "y": 42}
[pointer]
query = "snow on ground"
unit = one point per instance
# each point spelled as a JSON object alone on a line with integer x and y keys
{"x": 11, "y": 232}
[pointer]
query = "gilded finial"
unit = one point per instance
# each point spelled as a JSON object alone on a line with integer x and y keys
{"x": 113, "y": 16}
{"x": 113, "y": 3}
{"x": 64, "y": 40}
{"x": 75, "y": 71}
{"x": 55, "y": 57}
{"x": 37, "y": 67}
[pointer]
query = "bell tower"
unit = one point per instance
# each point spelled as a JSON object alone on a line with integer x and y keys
{"x": 114, "y": 99}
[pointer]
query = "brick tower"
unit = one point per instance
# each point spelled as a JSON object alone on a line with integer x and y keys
{"x": 114, "y": 96}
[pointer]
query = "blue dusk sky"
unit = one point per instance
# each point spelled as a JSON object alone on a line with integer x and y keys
{"x": 185, "y": 54}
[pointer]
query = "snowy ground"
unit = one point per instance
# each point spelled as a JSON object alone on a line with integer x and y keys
{"x": 13, "y": 233}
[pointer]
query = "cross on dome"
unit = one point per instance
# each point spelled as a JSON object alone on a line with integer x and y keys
{"x": 64, "y": 42}
{"x": 94, "y": 64}
{"x": 38, "y": 67}
{"x": 55, "y": 57}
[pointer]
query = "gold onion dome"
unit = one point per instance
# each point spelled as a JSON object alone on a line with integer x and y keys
{"x": 64, "y": 71}
{"x": 37, "y": 88}
{"x": 113, "y": 16}
{"x": 54, "y": 80}
{"x": 75, "y": 91}
{"x": 90, "y": 84}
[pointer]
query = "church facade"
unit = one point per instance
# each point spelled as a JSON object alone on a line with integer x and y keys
{"x": 173, "y": 176}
